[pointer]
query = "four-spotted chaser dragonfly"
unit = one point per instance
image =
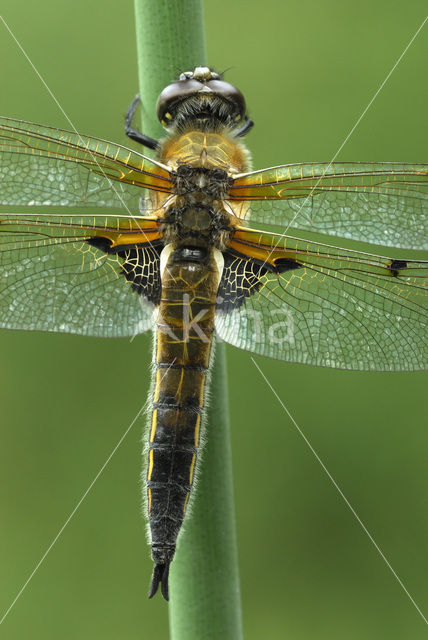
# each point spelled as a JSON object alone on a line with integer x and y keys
{"x": 112, "y": 243}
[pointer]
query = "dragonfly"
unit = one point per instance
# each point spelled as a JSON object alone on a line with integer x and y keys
{"x": 105, "y": 241}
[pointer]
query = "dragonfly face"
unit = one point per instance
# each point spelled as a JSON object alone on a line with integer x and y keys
{"x": 165, "y": 244}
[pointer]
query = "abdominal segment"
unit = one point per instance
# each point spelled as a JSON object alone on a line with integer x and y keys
{"x": 185, "y": 326}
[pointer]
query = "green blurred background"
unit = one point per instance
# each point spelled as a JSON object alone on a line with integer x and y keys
{"x": 308, "y": 570}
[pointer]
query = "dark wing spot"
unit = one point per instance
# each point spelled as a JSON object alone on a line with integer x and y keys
{"x": 103, "y": 244}
{"x": 286, "y": 264}
{"x": 240, "y": 279}
{"x": 140, "y": 265}
{"x": 396, "y": 265}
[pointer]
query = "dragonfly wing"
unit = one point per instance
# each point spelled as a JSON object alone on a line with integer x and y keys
{"x": 61, "y": 274}
{"x": 314, "y": 304}
{"x": 42, "y": 166}
{"x": 383, "y": 203}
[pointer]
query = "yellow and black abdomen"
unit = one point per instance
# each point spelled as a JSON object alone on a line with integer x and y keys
{"x": 185, "y": 326}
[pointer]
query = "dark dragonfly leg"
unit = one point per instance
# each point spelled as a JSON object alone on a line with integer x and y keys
{"x": 134, "y": 134}
{"x": 245, "y": 128}
{"x": 185, "y": 327}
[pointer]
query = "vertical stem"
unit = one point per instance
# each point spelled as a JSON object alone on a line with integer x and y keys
{"x": 206, "y": 600}
{"x": 204, "y": 582}
{"x": 170, "y": 39}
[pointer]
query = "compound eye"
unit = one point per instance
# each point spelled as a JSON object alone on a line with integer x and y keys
{"x": 207, "y": 84}
{"x": 231, "y": 94}
{"x": 172, "y": 94}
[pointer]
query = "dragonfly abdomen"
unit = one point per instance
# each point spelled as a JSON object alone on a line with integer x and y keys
{"x": 185, "y": 326}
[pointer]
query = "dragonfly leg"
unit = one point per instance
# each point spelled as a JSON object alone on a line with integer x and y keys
{"x": 245, "y": 128}
{"x": 134, "y": 134}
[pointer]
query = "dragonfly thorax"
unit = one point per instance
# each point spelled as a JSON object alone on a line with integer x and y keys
{"x": 200, "y": 184}
{"x": 202, "y": 224}
{"x": 196, "y": 218}
{"x": 198, "y": 210}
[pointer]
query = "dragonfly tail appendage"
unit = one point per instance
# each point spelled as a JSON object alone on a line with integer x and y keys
{"x": 162, "y": 558}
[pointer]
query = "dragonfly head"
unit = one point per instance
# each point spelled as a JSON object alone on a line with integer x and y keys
{"x": 203, "y": 97}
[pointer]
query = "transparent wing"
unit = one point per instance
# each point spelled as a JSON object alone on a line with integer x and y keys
{"x": 321, "y": 305}
{"x": 53, "y": 279}
{"x": 382, "y": 203}
{"x": 41, "y": 166}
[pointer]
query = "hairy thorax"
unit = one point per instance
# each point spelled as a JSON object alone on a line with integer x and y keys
{"x": 206, "y": 150}
{"x": 199, "y": 212}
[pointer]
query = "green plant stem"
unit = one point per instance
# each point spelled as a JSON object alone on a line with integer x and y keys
{"x": 206, "y": 602}
{"x": 204, "y": 583}
{"x": 170, "y": 39}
